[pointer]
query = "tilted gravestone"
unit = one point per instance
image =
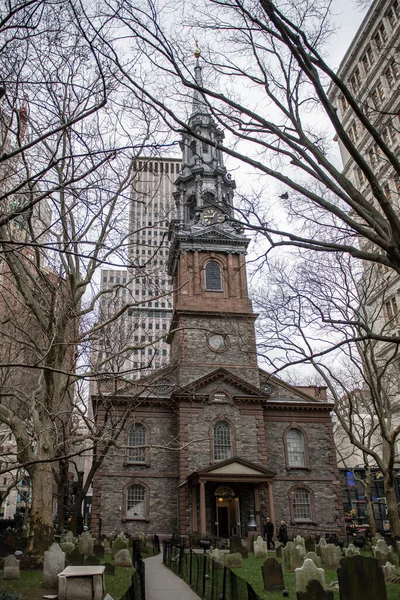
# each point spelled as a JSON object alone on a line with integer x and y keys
{"x": 109, "y": 568}
{"x": 53, "y": 564}
{"x": 69, "y": 537}
{"x": 383, "y": 553}
{"x": 278, "y": 549}
{"x": 331, "y": 556}
{"x": 299, "y": 541}
{"x": 306, "y": 573}
{"x": 316, "y": 559}
{"x": 123, "y": 558}
{"x": 272, "y": 575}
{"x": 315, "y": 591}
{"x": 86, "y": 544}
{"x": 351, "y": 550}
{"x": 389, "y": 570}
{"x": 121, "y": 543}
{"x": 361, "y": 577}
{"x": 67, "y": 547}
{"x": 11, "y": 568}
{"x": 218, "y": 556}
{"x": 309, "y": 545}
{"x": 320, "y": 547}
{"x": 301, "y": 551}
{"x": 234, "y": 561}
{"x": 291, "y": 558}
{"x": 92, "y": 561}
{"x": 75, "y": 558}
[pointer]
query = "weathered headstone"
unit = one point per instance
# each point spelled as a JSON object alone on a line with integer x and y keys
{"x": 143, "y": 541}
{"x": 383, "y": 553}
{"x": 331, "y": 556}
{"x": 301, "y": 551}
{"x": 309, "y": 545}
{"x": 320, "y": 546}
{"x": 375, "y": 539}
{"x": 123, "y": 558}
{"x": 110, "y": 568}
{"x": 316, "y": 559}
{"x": 351, "y": 550}
{"x": 67, "y": 547}
{"x": 11, "y": 568}
{"x": 218, "y": 556}
{"x": 92, "y": 561}
{"x": 260, "y": 548}
{"x": 278, "y": 549}
{"x": 361, "y": 577}
{"x": 291, "y": 559}
{"x": 306, "y": 573}
{"x": 98, "y": 550}
{"x": 75, "y": 558}
{"x": 235, "y": 544}
{"x": 233, "y": 561}
{"x": 69, "y": 537}
{"x": 389, "y": 570}
{"x": 53, "y": 564}
{"x": 272, "y": 575}
{"x": 86, "y": 544}
{"x": 299, "y": 541}
{"x": 106, "y": 545}
{"x": 121, "y": 543}
{"x": 315, "y": 591}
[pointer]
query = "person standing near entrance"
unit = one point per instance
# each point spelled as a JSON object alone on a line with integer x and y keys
{"x": 283, "y": 533}
{"x": 269, "y": 533}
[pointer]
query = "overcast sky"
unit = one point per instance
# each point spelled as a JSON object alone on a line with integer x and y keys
{"x": 348, "y": 20}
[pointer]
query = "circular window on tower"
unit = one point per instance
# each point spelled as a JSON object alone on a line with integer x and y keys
{"x": 268, "y": 388}
{"x": 163, "y": 386}
{"x": 217, "y": 342}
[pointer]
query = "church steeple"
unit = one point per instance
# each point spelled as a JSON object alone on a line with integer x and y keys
{"x": 213, "y": 318}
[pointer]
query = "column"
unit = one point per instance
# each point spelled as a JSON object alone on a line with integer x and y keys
{"x": 203, "y": 529}
{"x": 272, "y": 507}
{"x": 194, "y": 509}
{"x": 257, "y": 507}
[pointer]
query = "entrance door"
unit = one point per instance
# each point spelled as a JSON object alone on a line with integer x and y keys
{"x": 227, "y": 512}
{"x": 223, "y": 521}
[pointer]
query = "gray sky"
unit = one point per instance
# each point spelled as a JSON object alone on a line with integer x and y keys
{"x": 348, "y": 20}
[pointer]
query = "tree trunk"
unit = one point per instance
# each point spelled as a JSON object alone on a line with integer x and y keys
{"x": 370, "y": 506}
{"x": 391, "y": 502}
{"x": 41, "y": 526}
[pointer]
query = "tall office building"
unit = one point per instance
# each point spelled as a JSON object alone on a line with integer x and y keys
{"x": 134, "y": 343}
{"x": 371, "y": 69}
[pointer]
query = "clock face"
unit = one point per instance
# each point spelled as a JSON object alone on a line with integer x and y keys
{"x": 217, "y": 342}
{"x": 212, "y": 215}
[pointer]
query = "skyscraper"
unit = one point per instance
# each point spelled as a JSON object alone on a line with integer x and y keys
{"x": 145, "y": 285}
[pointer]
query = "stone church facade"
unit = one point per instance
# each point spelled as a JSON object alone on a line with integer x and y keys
{"x": 213, "y": 440}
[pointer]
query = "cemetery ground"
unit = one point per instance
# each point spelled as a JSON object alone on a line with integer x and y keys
{"x": 29, "y": 584}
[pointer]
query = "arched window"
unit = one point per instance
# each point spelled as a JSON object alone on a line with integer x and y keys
{"x": 296, "y": 452}
{"x": 137, "y": 443}
{"x": 213, "y": 277}
{"x": 301, "y": 503}
{"x": 135, "y": 502}
{"x": 193, "y": 148}
{"x": 209, "y": 199}
{"x": 222, "y": 441}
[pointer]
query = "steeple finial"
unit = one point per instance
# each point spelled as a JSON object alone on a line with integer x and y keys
{"x": 197, "y": 52}
{"x": 199, "y": 105}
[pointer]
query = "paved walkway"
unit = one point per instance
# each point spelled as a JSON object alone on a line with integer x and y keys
{"x": 162, "y": 584}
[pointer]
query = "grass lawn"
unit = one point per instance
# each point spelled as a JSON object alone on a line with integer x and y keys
{"x": 29, "y": 584}
{"x": 251, "y": 571}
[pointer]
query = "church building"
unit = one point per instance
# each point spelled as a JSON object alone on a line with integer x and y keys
{"x": 213, "y": 442}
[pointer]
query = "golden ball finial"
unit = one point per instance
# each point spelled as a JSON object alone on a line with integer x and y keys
{"x": 197, "y": 51}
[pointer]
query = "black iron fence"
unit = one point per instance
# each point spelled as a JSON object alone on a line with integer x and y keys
{"x": 209, "y": 579}
{"x": 136, "y": 591}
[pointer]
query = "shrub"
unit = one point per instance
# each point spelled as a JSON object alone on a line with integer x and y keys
{"x": 4, "y": 595}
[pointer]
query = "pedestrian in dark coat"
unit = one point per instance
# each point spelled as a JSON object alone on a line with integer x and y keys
{"x": 269, "y": 533}
{"x": 283, "y": 533}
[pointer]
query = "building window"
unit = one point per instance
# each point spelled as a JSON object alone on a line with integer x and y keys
{"x": 191, "y": 207}
{"x": 380, "y": 37}
{"x": 296, "y": 451}
{"x": 355, "y": 80}
{"x": 360, "y": 176}
{"x": 301, "y": 505}
{"x": 213, "y": 277}
{"x": 392, "y": 17}
{"x": 137, "y": 442}
{"x": 343, "y": 103}
{"x": 136, "y": 502}
{"x": 222, "y": 441}
{"x": 353, "y": 132}
{"x": 391, "y": 309}
{"x": 368, "y": 59}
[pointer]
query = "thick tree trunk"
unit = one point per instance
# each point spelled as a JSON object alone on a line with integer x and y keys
{"x": 370, "y": 506}
{"x": 391, "y": 502}
{"x": 41, "y": 526}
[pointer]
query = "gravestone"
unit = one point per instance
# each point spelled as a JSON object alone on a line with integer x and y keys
{"x": 278, "y": 549}
{"x": 67, "y": 547}
{"x": 361, "y": 577}
{"x": 244, "y": 552}
{"x": 121, "y": 543}
{"x": 375, "y": 539}
{"x": 75, "y": 558}
{"x": 92, "y": 561}
{"x": 299, "y": 541}
{"x": 143, "y": 541}
{"x": 11, "y": 568}
{"x": 383, "y": 553}
{"x": 309, "y": 545}
{"x": 315, "y": 591}
{"x": 351, "y": 550}
{"x": 235, "y": 544}
{"x": 301, "y": 550}
{"x": 53, "y": 564}
{"x": 331, "y": 556}
{"x": 218, "y": 556}
{"x": 69, "y": 537}
{"x": 291, "y": 559}
{"x": 320, "y": 546}
{"x": 389, "y": 570}
{"x": 233, "y": 561}
{"x": 98, "y": 550}
{"x": 316, "y": 559}
{"x": 260, "y": 548}
{"x": 86, "y": 544}
{"x": 110, "y": 568}
{"x": 306, "y": 573}
{"x": 106, "y": 545}
{"x": 272, "y": 575}
{"x": 123, "y": 558}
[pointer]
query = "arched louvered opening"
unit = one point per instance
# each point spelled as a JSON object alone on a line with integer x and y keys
{"x": 213, "y": 277}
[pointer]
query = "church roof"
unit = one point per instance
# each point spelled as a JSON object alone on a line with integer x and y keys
{"x": 234, "y": 468}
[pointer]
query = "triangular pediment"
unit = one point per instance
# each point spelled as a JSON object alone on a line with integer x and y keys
{"x": 235, "y": 467}
{"x": 222, "y": 376}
